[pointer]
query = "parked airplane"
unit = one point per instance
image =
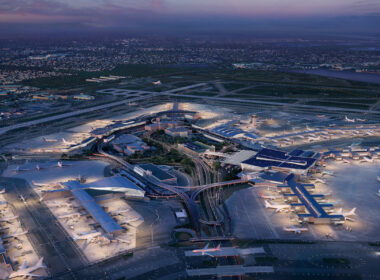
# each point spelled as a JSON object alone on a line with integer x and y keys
{"x": 327, "y": 193}
{"x": 58, "y": 204}
{"x": 15, "y": 234}
{"x": 156, "y": 83}
{"x": 39, "y": 184}
{"x": 326, "y": 172}
{"x": 69, "y": 215}
{"x": 68, "y": 142}
{"x": 25, "y": 271}
{"x": 49, "y": 140}
{"x": 88, "y": 237}
{"x": 317, "y": 180}
{"x": 361, "y": 120}
{"x": 2, "y": 191}
{"x": 296, "y": 230}
{"x": 347, "y": 161}
{"x": 119, "y": 211}
{"x": 378, "y": 178}
{"x": 123, "y": 240}
{"x": 61, "y": 164}
{"x": 378, "y": 193}
{"x": 278, "y": 207}
{"x": 271, "y": 197}
{"x": 349, "y": 120}
{"x": 308, "y": 128}
{"x": 367, "y": 159}
{"x": 206, "y": 250}
{"x": 19, "y": 169}
{"x": 347, "y": 215}
{"x": 8, "y": 219}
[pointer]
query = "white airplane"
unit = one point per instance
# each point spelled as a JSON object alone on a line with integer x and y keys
{"x": 119, "y": 211}
{"x": 349, "y": 120}
{"x": 58, "y": 204}
{"x": 68, "y": 142}
{"x": 123, "y": 240}
{"x": 133, "y": 219}
{"x": 25, "y": 271}
{"x": 278, "y": 207}
{"x": 378, "y": 193}
{"x": 327, "y": 194}
{"x": 19, "y": 169}
{"x": 205, "y": 250}
{"x": 378, "y": 178}
{"x": 347, "y": 161}
{"x": 8, "y": 219}
{"x": 296, "y": 230}
{"x": 16, "y": 234}
{"x": 69, "y": 215}
{"x": 367, "y": 159}
{"x": 347, "y": 215}
{"x": 88, "y": 237}
{"x": 61, "y": 164}
{"x": 156, "y": 83}
{"x": 2, "y": 191}
{"x": 39, "y": 184}
{"x": 361, "y": 120}
{"x": 317, "y": 180}
{"x": 326, "y": 172}
{"x": 49, "y": 140}
{"x": 271, "y": 197}
{"x": 308, "y": 128}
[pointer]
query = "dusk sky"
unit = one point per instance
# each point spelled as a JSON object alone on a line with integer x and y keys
{"x": 134, "y": 14}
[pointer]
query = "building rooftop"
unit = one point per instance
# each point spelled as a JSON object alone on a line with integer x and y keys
{"x": 156, "y": 171}
{"x": 97, "y": 212}
{"x": 268, "y": 158}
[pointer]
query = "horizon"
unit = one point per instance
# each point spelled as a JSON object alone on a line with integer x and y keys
{"x": 198, "y": 17}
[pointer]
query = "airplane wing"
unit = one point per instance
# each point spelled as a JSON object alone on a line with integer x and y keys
{"x": 212, "y": 256}
{"x": 278, "y": 210}
{"x": 33, "y": 275}
{"x": 85, "y": 244}
{"x": 206, "y": 247}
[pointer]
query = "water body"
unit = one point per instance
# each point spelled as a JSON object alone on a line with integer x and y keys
{"x": 347, "y": 75}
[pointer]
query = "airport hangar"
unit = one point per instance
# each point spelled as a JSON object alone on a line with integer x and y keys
{"x": 78, "y": 190}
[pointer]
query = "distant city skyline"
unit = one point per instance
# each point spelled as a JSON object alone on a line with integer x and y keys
{"x": 187, "y": 15}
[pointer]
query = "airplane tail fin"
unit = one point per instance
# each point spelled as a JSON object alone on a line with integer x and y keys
{"x": 64, "y": 141}
{"x": 218, "y": 247}
{"x": 352, "y": 212}
{"x": 40, "y": 263}
{"x": 267, "y": 204}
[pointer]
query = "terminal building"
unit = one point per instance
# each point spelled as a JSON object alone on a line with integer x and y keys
{"x": 78, "y": 191}
{"x": 155, "y": 172}
{"x": 297, "y": 161}
{"x": 305, "y": 203}
{"x": 129, "y": 144}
